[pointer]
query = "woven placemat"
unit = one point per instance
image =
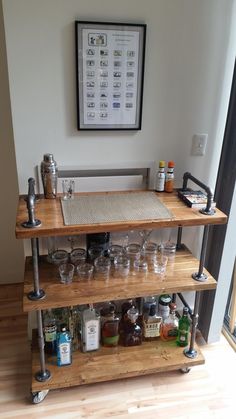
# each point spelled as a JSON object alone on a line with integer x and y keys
{"x": 96, "y": 209}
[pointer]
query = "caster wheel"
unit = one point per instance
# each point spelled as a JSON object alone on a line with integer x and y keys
{"x": 38, "y": 396}
{"x": 185, "y": 370}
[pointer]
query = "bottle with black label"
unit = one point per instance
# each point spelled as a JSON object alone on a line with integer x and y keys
{"x": 50, "y": 332}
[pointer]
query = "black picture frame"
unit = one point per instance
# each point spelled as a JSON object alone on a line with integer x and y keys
{"x": 110, "y": 61}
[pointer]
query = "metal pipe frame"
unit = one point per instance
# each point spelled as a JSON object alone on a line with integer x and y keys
{"x": 179, "y": 238}
{"x": 200, "y": 276}
{"x": 37, "y": 293}
{"x": 191, "y": 352}
{"x": 208, "y": 210}
{"x": 43, "y": 374}
{"x": 181, "y": 297}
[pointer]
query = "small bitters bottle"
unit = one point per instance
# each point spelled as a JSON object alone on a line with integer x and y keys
{"x": 169, "y": 327}
{"x": 169, "y": 181}
{"x": 160, "y": 177}
{"x": 184, "y": 329}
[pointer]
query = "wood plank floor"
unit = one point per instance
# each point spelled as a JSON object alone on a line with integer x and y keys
{"x": 208, "y": 391}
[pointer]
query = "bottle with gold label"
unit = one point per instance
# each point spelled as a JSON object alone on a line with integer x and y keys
{"x": 169, "y": 180}
{"x": 151, "y": 324}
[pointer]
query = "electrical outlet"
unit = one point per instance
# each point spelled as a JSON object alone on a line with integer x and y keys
{"x": 199, "y": 142}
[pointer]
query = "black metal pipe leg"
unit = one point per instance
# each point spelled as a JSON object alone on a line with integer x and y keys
{"x": 191, "y": 352}
{"x": 43, "y": 374}
{"x": 37, "y": 293}
{"x": 179, "y": 238}
{"x": 200, "y": 276}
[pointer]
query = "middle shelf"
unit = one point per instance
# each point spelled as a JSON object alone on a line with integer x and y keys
{"x": 178, "y": 278}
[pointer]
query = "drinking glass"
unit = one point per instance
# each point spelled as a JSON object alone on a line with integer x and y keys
{"x": 77, "y": 256}
{"x": 85, "y": 271}
{"x": 102, "y": 266}
{"x": 66, "y": 271}
{"x": 68, "y": 188}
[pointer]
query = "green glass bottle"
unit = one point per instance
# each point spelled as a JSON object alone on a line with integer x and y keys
{"x": 184, "y": 329}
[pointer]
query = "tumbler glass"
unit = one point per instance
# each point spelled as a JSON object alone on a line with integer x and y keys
{"x": 77, "y": 256}
{"x": 102, "y": 266}
{"x": 121, "y": 266}
{"x": 66, "y": 271}
{"x": 85, "y": 271}
{"x": 60, "y": 256}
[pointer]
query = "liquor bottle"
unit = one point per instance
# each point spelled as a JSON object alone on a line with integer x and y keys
{"x": 74, "y": 327}
{"x": 64, "y": 352}
{"x": 184, "y": 329}
{"x": 160, "y": 177}
{"x": 151, "y": 324}
{"x": 90, "y": 330}
{"x": 50, "y": 332}
{"x": 169, "y": 181}
{"x": 169, "y": 327}
{"x": 110, "y": 327}
{"x": 124, "y": 308}
{"x": 164, "y": 305}
{"x": 132, "y": 331}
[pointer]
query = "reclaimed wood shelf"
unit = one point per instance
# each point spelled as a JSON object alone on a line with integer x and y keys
{"x": 108, "y": 364}
{"x": 177, "y": 279}
{"x": 50, "y": 214}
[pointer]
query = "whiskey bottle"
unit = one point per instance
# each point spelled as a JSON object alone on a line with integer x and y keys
{"x": 169, "y": 327}
{"x": 151, "y": 324}
{"x": 110, "y": 327}
{"x": 184, "y": 329}
{"x": 132, "y": 335}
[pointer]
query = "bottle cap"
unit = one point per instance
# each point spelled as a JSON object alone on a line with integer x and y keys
{"x": 162, "y": 163}
{"x": 172, "y": 306}
{"x": 171, "y": 163}
{"x": 185, "y": 310}
{"x": 152, "y": 310}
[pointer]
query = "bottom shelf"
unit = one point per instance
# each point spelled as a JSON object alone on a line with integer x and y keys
{"x": 114, "y": 363}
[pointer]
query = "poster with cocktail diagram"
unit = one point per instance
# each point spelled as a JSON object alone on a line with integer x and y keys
{"x": 110, "y": 72}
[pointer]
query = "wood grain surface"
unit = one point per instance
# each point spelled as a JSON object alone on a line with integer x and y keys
{"x": 49, "y": 212}
{"x": 108, "y": 364}
{"x": 177, "y": 279}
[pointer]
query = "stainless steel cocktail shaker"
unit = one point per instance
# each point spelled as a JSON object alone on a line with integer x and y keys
{"x": 49, "y": 173}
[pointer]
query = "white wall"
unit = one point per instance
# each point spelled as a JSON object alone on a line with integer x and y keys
{"x": 11, "y": 253}
{"x": 185, "y": 59}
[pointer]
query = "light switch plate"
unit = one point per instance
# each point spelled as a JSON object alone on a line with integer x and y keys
{"x": 199, "y": 142}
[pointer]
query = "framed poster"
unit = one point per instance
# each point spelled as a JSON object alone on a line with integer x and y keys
{"x": 109, "y": 74}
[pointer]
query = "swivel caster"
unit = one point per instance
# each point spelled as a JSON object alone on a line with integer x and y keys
{"x": 185, "y": 370}
{"x": 38, "y": 396}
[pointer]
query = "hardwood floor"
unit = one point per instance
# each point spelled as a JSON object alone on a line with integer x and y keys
{"x": 208, "y": 391}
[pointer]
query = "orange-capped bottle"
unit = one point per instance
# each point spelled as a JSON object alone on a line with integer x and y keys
{"x": 169, "y": 182}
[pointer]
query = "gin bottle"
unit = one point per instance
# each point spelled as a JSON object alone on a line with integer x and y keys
{"x": 64, "y": 350}
{"x": 90, "y": 330}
